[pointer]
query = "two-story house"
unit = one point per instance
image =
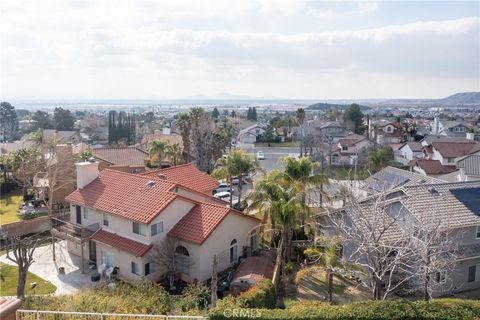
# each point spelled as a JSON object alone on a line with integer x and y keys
{"x": 421, "y": 211}
{"x": 409, "y": 151}
{"x": 138, "y": 222}
{"x": 345, "y": 151}
{"x": 389, "y": 132}
{"x": 329, "y": 131}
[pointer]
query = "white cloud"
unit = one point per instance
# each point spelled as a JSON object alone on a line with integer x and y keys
{"x": 180, "y": 48}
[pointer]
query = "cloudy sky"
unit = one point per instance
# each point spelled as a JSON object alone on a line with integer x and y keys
{"x": 289, "y": 49}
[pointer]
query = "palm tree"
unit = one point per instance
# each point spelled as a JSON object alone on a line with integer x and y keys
{"x": 235, "y": 163}
{"x": 185, "y": 126}
{"x": 378, "y": 160}
{"x": 265, "y": 197}
{"x": 157, "y": 148}
{"x": 300, "y": 115}
{"x": 174, "y": 152}
{"x": 301, "y": 173}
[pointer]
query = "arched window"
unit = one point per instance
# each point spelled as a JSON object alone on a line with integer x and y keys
{"x": 233, "y": 251}
{"x": 182, "y": 260}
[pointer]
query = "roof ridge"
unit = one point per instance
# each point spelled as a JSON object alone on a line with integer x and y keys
{"x": 442, "y": 183}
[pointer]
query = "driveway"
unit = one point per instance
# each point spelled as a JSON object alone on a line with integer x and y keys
{"x": 44, "y": 266}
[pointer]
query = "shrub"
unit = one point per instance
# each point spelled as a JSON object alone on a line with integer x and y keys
{"x": 442, "y": 309}
{"x": 193, "y": 298}
{"x": 261, "y": 295}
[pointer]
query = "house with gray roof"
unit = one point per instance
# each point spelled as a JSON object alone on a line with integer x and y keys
{"x": 454, "y": 208}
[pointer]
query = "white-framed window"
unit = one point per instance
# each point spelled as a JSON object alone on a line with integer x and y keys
{"x": 477, "y": 234}
{"x": 344, "y": 148}
{"x": 149, "y": 268}
{"x": 335, "y": 158}
{"x": 233, "y": 251}
{"x": 156, "y": 228}
{"x": 139, "y": 228}
{"x": 85, "y": 213}
{"x": 106, "y": 219}
{"x": 450, "y": 160}
{"x": 440, "y": 276}
{"x": 182, "y": 260}
{"x": 135, "y": 268}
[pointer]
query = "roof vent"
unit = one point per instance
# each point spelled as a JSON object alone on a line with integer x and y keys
{"x": 433, "y": 191}
{"x": 422, "y": 181}
{"x": 162, "y": 176}
{"x": 150, "y": 184}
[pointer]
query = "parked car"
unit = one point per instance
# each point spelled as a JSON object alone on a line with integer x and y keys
{"x": 222, "y": 187}
{"x": 31, "y": 210}
{"x": 260, "y": 155}
{"x": 235, "y": 181}
{"x": 226, "y": 197}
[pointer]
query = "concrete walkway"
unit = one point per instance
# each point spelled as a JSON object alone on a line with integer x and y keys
{"x": 44, "y": 266}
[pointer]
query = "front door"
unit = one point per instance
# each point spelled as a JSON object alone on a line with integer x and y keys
{"x": 79, "y": 214}
{"x": 92, "y": 251}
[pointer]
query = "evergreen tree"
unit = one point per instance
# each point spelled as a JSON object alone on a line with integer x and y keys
{"x": 8, "y": 121}
{"x": 215, "y": 113}
{"x": 234, "y": 114}
{"x": 249, "y": 113}
{"x": 353, "y": 119}
{"x": 63, "y": 119}
{"x": 254, "y": 114}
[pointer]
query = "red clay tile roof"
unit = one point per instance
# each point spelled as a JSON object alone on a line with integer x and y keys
{"x": 454, "y": 149}
{"x": 197, "y": 225}
{"x": 433, "y": 166}
{"x": 187, "y": 175}
{"x": 121, "y": 156}
{"x": 126, "y": 195}
{"x": 136, "y": 248}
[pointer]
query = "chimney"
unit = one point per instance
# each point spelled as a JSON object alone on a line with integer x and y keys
{"x": 86, "y": 172}
{"x": 166, "y": 130}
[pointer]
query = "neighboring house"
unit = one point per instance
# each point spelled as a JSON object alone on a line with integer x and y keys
{"x": 389, "y": 132}
{"x": 432, "y": 168}
{"x": 187, "y": 175}
{"x": 456, "y": 129}
{"x": 164, "y": 135}
{"x": 250, "y": 135}
{"x": 448, "y": 152}
{"x": 138, "y": 224}
{"x": 456, "y": 208}
{"x": 468, "y": 168}
{"x": 409, "y": 151}
{"x": 345, "y": 151}
{"x": 66, "y": 137}
{"x": 126, "y": 159}
{"x": 390, "y": 178}
{"x": 329, "y": 131}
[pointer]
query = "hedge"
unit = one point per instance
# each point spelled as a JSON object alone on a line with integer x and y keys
{"x": 261, "y": 295}
{"x": 442, "y": 309}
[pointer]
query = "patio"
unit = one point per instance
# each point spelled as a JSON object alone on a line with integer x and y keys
{"x": 45, "y": 267}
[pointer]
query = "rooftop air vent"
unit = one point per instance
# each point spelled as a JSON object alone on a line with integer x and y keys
{"x": 162, "y": 176}
{"x": 433, "y": 191}
{"x": 150, "y": 184}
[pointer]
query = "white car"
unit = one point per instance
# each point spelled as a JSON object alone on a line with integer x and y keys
{"x": 260, "y": 155}
{"x": 222, "y": 187}
{"x": 225, "y": 196}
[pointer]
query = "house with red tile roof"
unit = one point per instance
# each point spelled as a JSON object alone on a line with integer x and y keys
{"x": 136, "y": 222}
{"x": 389, "y": 132}
{"x": 187, "y": 175}
{"x": 449, "y": 151}
{"x": 346, "y": 149}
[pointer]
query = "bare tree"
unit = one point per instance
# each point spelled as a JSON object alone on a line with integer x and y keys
{"x": 20, "y": 251}
{"x": 164, "y": 254}
{"x": 373, "y": 239}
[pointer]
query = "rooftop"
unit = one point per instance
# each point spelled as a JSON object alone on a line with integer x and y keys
{"x": 136, "y": 248}
{"x": 121, "y": 156}
{"x": 390, "y": 177}
{"x": 454, "y": 149}
{"x": 433, "y": 166}
{"x": 187, "y": 175}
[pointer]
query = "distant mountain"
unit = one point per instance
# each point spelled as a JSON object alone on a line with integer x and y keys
{"x": 462, "y": 98}
{"x": 322, "y": 106}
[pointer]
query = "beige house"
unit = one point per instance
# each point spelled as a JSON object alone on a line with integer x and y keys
{"x": 137, "y": 222}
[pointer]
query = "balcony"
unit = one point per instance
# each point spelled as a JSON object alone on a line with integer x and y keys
{"x": 64, "y": 229}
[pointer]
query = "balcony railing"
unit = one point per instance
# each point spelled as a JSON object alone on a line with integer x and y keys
{"x": 65, "y": 229}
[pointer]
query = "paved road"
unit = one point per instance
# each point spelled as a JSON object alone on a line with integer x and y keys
{"x": 273, "y": 157}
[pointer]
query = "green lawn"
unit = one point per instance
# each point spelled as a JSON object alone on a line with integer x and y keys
{"x": 9, "y": 280}
{"x": 9, "y": 207}
{"x": 290, "y": 144}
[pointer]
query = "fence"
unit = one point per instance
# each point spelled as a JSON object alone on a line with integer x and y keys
{"x": 60, "y": 315}
{"x": 36, "y": 225}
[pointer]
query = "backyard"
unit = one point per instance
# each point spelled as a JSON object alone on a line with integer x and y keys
{"x": 9, "y": 280}
{"x": 9, "y": 206}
